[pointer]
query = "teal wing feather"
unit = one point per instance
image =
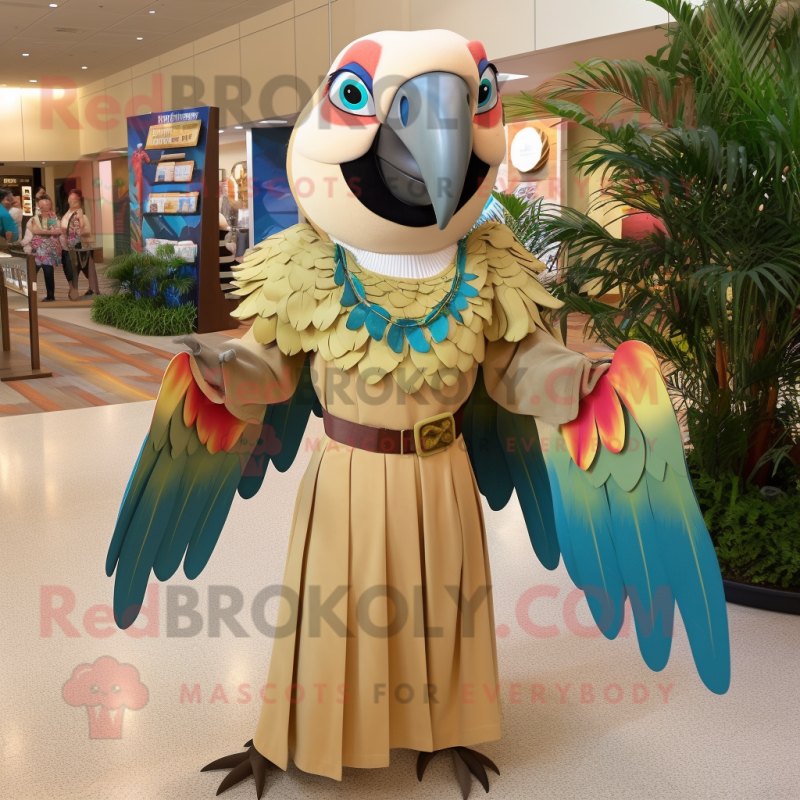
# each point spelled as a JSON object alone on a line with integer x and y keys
{"x": 627, "y": 519}
{"x": 506, "y": 457}
{"x": 281, "y": 434}
{"x": 583, "y": 526}
{"x": 479, "y": 429}
{"x": 177, "y": 501}
{"x": 519, "y": 440}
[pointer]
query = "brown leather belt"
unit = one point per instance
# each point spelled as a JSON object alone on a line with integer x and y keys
{"x": 427, "y": 437}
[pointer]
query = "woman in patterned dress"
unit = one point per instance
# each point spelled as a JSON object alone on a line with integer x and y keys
{"x": 46, "y": 245}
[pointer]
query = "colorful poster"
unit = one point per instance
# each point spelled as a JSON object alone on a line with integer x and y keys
{"x": 160, "y": 209}
{"x": 273, "y": 208}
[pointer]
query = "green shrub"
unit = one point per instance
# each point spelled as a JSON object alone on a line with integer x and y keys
{"x": 757, "y": 538}
{"x": 160, "y": 276}
{"x": 144, "y": 316}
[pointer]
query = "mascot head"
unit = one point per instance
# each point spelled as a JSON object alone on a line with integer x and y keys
{"x": 398, "y": 150}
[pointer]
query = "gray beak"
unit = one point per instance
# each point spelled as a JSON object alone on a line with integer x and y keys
{"x": 425, "y": 145}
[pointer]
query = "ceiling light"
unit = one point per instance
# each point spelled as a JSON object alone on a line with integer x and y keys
{"x": 139, "y": 38}
{"x": 222, "y": 130}
{"x": 151, "y": 12}
{"x": 273, "y": 121}
{"x": 84, "y": 67}
{"x": 33, "y": 80}
{"x": 25, "y": 55}
{"x": 53, "y": 5}
{"x": 503, "y": 77}
{"x": 238, "y": 127}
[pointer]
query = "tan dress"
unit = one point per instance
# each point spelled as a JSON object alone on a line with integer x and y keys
{"x": 386, "y": 628}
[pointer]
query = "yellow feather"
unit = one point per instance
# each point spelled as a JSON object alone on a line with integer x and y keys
{"x": 349, "y": 360}
{"x": 408, "y": 377}
{"x": 327, "y": 312}
{"x": 301, "y": 307}
{"x": 382, "y": 355}
{"x": 516, "y": 313}
{"x": 370, "y": 373}
{"x": 264, "y": 329}
{"x": 288, "y": 339}
{"x": 426, "y": 363}
{"x": 465, "y": 361}
{"x": 447, "y": 352}
{"x": 467, "y": 342}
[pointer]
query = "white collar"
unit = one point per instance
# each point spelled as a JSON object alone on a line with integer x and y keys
{"x": 417, "y": 267}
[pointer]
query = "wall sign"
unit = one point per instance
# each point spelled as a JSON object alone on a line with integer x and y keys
{"x": 175, "y": 129}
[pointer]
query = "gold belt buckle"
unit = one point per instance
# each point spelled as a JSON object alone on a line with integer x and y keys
{"x": 434, "y": 434}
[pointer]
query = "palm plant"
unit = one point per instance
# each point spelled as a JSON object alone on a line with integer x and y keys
{"x": 705, "y": 136}
{"x": 524, "y": 218}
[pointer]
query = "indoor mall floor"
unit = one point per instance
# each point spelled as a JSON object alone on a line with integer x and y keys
{"x": 577, "y": 710}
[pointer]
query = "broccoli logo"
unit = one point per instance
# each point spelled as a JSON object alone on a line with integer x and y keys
{"x": 106, "y": 688}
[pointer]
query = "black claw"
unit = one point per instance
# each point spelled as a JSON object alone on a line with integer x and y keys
{"x": 462, "y": 773}
{"x": 236, "y": 775}
{"x": 242, "y": 765}
{"x": 422, "y": 763}
{"x": 226, "y": 762}
{"x": 485, "y": 760}
{"x": 466, "y": 763}
{"x": 258, "y": 765}
{"x": 475, "y": 767}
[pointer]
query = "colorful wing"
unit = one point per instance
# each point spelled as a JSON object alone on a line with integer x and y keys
{"x": 506, "y": 457}
{"x": 628, "y": 521}
{"x": 193, "y": 460}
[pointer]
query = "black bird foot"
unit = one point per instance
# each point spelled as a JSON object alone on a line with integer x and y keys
{"x": 241, "y": 766}
{"x": 465, "y": 761}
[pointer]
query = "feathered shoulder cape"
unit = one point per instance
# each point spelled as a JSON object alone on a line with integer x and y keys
{"x": 310, "y": 295}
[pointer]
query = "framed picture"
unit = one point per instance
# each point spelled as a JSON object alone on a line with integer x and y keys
{"x": 173, "y": 203}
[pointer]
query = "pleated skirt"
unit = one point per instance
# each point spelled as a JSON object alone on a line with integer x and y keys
{"x": 385, "y": 635}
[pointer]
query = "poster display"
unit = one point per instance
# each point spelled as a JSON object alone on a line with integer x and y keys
{"x": 166, "y": 194}
{"x": 174, "y": 171}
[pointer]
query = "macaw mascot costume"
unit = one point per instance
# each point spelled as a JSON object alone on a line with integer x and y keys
{"x": 425, "y": 344}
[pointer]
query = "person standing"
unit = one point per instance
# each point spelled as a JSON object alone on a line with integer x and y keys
{"x": 46, "y": 245}
{"x": 8, "y": 228}
{"x": 16, "y": 212}
{"x": 76, "y": 231}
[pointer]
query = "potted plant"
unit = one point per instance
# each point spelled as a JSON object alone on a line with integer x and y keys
{"x": 705, "y": 138}
{"x": 149, "y": 294}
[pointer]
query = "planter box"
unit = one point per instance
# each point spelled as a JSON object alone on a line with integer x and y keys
{"x": 744, "y": 594}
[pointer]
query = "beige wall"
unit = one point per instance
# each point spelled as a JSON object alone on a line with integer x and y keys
{"x": 268, "y": 65}
{"x": 230, "y": 154}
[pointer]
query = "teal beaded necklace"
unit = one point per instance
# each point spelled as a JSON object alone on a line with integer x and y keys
{"x": 381, "y": 323}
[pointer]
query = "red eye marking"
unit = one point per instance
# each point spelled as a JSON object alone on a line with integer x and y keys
{"x": 478, "y": 51}
{"x": 366, "y": 53}
{"x": 490, "y": 118}
{"x": 335, "y": 116}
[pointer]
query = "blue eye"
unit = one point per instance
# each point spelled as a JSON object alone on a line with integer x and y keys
{"x": 487, "y": 91}
{"x": 349, "y": 93}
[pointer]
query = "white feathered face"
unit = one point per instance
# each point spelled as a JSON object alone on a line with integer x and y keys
{"x": 398, "y": 150}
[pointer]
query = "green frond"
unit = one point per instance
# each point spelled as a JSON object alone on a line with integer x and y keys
{"x": 705, "y": 138}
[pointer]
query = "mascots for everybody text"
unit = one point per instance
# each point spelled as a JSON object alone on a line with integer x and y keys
{"x": 426, "y": 346}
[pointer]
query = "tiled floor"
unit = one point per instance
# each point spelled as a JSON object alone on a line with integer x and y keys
{"x": 609, "y": 729}
{"x": 92, "y": 365}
